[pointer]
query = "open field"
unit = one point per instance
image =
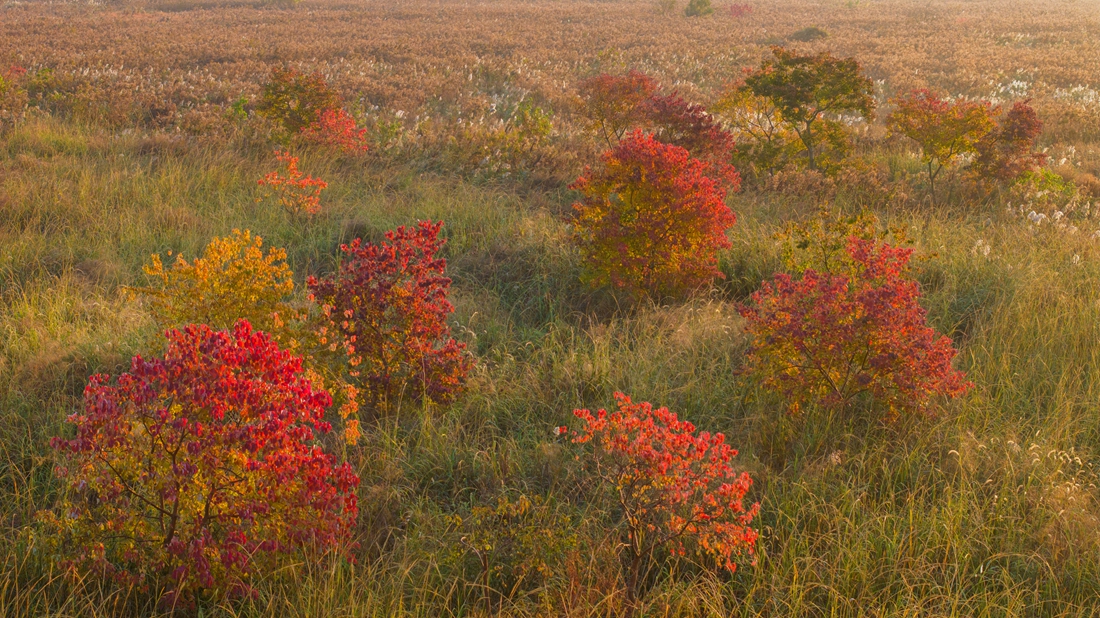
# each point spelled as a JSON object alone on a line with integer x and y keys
{"x": 143, "y": 138}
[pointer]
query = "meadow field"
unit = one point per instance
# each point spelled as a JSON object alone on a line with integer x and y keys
{"x": 131, "y": 128}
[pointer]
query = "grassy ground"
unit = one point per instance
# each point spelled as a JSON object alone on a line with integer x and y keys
{"x": 988, "y": 510}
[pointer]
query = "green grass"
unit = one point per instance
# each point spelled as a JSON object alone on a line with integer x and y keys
{"x": 990, "y": 509}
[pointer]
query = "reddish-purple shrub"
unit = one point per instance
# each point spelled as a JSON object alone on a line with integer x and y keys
{"x": 1008, "y": 151}
{"x": 689, "y": 126}
{"x": 826, "y": 339}
{"x": 739, "y": 10}
{"x": 195, "y": 471}
{"x": 386, "y": 312}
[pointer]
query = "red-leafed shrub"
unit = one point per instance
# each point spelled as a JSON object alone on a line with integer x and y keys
{"x": 619, "y": 104}
{"x": 739, "y": 10}
{"x": 944, "y": 130}
{"x": 616, "y": 103}
{"x": 295, "y": 99}
{"x": 676, "y": 489}
{"x": 337, "y": 129}
{"x": 298, "y": 194}
{"x": 1008, "y": 152}
{"x": 195, "y": 471}
{"x": 387, "y": 312}
{"x": 651, "y": 221}
{"x": 827, "y": 339}
{"x": 689, "y": 126}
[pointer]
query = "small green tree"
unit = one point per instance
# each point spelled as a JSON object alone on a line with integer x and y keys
{"x": 804, "y": 88}
{"x": 695, "y": 8}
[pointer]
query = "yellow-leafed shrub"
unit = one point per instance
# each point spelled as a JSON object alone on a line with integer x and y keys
{"x": 234, "y": 279}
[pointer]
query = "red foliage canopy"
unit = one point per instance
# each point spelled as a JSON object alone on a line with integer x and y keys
{"x": 387, "y": 311}
{"x": 651, "y": 220}
{"x": 824, "y": 339}
{"x": 676, "y": 488}
{"x": 202, "y": 466}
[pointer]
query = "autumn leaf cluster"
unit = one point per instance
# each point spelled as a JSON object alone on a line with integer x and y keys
{"x": 195, "y": 471}
{"x": 651, "y": 220}
{"x": 386, "y": 315}
{"x": 826, "y": 339}
{"x": 677, "y": 489}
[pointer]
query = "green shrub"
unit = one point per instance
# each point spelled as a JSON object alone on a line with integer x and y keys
{"x": 811, "y": 33}
{"x": 696, "y": 8}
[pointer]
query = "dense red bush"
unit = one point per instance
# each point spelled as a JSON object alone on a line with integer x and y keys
{"x": 677, "y": 489}
{"x": 196, "y": 470}
{"x": 386, "y": 311}
{"x": 689, "y": 126}
{"x": 1009, "y": 151}
{"x": 336, "y": 128}
{"x": 825, "y": 339}
{"x": 651, "y": 220}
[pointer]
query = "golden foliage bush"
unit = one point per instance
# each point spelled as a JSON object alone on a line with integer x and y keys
{"x": 234, "y": 279}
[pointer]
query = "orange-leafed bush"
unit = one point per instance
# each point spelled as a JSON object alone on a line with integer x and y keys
{"x": 675, "y": 489}
{"x": 295, "y": 99}
{"x": 298, "y": 193}
{"x": 945, "y": 131}
{"x": 651, "y": 220}
{"x": 826, "y": 339}
{"x": 234, "y": 279}
{"x": 336, "y": 128}
{"x": 193, "y": 473}
{"x": 387, "y": 312}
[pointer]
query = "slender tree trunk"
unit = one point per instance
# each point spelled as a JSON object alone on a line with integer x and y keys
{"x": 932, "y": 183}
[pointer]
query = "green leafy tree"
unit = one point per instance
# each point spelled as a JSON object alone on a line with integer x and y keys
{"x": 806, "y": 88}
{"x": 696, "y": 8}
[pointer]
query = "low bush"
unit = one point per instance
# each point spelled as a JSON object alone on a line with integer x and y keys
{"x": 1008, "y": 151}
{"x": 295, "y": 100}
{"x": 385, "y": 314}
{"x": 192, "y": 473}
{"x": 827, "y": 339}
{"x": 234, "y": 279}
{"x": 651, "y": 221}
{"x": 335, "y": 128}
{"x": 298, "y": 193}
{"x": 697, "y": 8}
{"x": 675, "y": 490}
{"x": 810, "y": 33}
